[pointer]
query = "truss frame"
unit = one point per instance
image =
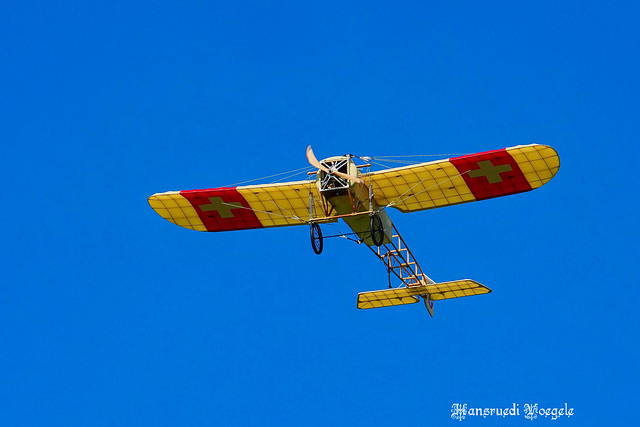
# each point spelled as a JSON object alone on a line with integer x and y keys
{"x": 399, "y": 260}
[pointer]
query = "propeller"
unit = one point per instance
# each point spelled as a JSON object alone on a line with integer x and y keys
{"x": 331, "y": 171}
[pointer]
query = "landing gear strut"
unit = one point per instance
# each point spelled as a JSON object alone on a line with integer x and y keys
{"x": 316, "y": 239}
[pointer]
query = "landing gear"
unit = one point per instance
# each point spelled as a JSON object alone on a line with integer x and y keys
{"x": 316, "y": 239}
{"x": 377, "y": 230}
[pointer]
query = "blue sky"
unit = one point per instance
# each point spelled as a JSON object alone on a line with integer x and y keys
{"x": 113, "y": 316}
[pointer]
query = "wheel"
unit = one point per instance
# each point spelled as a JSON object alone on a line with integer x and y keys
{"x": 316, "y": 239}
{"x": 377, "y": 231}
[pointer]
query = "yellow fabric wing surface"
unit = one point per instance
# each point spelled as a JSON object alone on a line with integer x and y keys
{"x": 465, "y": 179}
{"x": 412, "y": 188}
{"x": 424, "y": 186}
{"x": 409, "y": 295}
{"x": 456, "y": 289}
{"x": 237, "y": 208}
{"x": 175, "y": 208}
{"x": 389, "y": 297}
{"x": 281, "y": 204}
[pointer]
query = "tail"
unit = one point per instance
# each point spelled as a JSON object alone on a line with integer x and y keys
{"x": 428, "y": 292}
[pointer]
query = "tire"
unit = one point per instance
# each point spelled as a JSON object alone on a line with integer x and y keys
{"x": 377, "y": 230}
{"x": 316, "y": 239}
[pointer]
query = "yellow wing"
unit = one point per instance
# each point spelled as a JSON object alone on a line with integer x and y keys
{"x": 424, "y": 186}
{"x": 238, "y": 208}
{"x": 465, "y": 179}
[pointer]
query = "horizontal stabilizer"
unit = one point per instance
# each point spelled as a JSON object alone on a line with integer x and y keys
{"x": 389, "y": 297}
{"x": 456, "y": 289}
{"x": 410, "y": 294}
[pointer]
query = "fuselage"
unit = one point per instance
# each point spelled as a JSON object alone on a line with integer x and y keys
{"x": 350, "y": 199}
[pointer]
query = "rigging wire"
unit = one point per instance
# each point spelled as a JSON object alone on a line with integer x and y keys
{"x": 292, "y": 173}
{"x": 389, "y": 159}
{"x": 295, "y": 218}
{"x": 307, "y": 169}
{"x": 405, "y": 162}
{"x": 400, "y": 198}
{"x": 398, "y": 159}
{"x": 295, "y": 172}
{"x": 386, "y": 166}
{"x": 420, "y": 155}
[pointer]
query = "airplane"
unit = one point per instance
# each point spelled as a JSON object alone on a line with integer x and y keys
{"x": 360, "y": 197}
